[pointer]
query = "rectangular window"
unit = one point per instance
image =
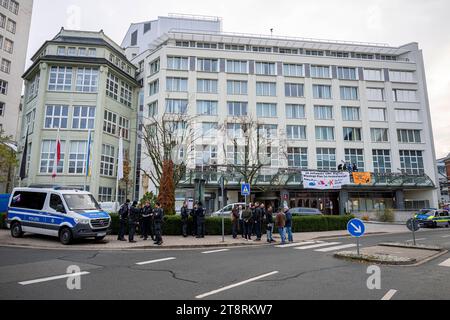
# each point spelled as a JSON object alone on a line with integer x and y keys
{"x": 321, "y": 92}
{"x": 293, "y": 70}
{"x": 2, "y": 20}
{"x": 14, "y": 6}
{"x": 176, "y": 106}
{"x": 379, "y": 135}
{"x": 294, "y": 90}
{"x": 352, "y": 134}
{"x": 349, "y": 93}
{"x": 237, "y": 66}
{"x": 375, "y": 94}
{"x": 11, "y": 26}
{"x": 3, "y": 87}
{"x": 234, "y": 130}
{"x": 177, "y": 63}
{"x": 60, "y": 79}
{"x": 77, "y": 157}
{"x": 377, "y": 114}
{"x": 237, "y": 109}
{"x": 373, "y": 75}
{"x": 320, "y": 72}
{"x": 207, "y": 65}
{"x": 72, "y": 51}
{"x": 207, "y": 86}
{"x": 404, "y": 95}
{"x": 295, "y": 111}
{"x": 105, "y": 194}
{"x": 154, "y": 67}
{"x": 48, "y": 150}
{"x": 355, "y": 156}
{"x": 61, "y": 51}
{"x": 266, "y": 89}
{"x": 112, "y": 86}
{"x": 206, "y": 155}
{"x": 323, "y": 112}
{"x": 266, "y": 110}
{"x": 345, "y": 73}
{"x": 209, "y": 129}
{"x": 153, "y": 87}
{"x": 92, "y": 52}
{"x": 207, "y": 108}
{"x": 124, "y": 128}
{"x": 2, "y": 109}
{"x": 296, "y": 132}
{"x": 406, "y": 115}
{"x": 153, "y": 109}
{"x": 29, "y": 122}
{"x": 351, "y": 114}
{"x": 409, "y": 136}
{"x": 8, "y": 46}
{"x": 412, "y": 161}
{"x": 126, "y": 94}
{"x": 56, "y": 116}
{"x": 110, "y": 122}
{"x": 235, "y": 87}
{"x": 401, "y": 76}
{"x": 268, "y": 131}
{"x": 87, "y": 80}
{"x": 382, "y": 161}
{"x": 107, "y": 160}
{"x": 326, "y": 159}
{"x": 83, "y": 117}
{"x": 265, "y": 68}
{"x": 177, "y": 84}
{"x": 324, "y": 133}
{"x": 82, "y": 52}
{"x": 297, "y": 158}
{"x": 6, "y": 66}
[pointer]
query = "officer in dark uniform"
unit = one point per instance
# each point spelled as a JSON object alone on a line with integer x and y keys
{"x": 123, "y": 218}
{"x": 194, "y": 220}
{"x": 257, "y": 217}
{"x": 200, "y": 214}
{"x": 184, "y": 218}
{"x": 133, "y": 220}
{"x": 147, "y": 212}
{"x": 158, "y": 215}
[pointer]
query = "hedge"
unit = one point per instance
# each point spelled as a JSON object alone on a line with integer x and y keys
{"x": 3, "y": 220}
{"x": 172, "y": 225}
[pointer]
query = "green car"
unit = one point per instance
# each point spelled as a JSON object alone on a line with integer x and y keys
{"x": 432, "y": 218}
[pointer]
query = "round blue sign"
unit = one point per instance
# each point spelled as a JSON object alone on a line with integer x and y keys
{"x": 356, "y": 228}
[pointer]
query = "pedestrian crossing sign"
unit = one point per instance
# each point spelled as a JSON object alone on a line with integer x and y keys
{"x": 245, "y": 189}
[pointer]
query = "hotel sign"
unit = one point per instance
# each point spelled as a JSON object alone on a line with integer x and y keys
{"x": 325, "y": 180}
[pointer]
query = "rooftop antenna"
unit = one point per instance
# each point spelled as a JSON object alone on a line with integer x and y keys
{"x": 271, "y": 32}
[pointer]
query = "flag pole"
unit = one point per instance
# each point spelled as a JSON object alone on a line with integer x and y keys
{"x": 88, "y": 159}
{"x": 119, "y": 165}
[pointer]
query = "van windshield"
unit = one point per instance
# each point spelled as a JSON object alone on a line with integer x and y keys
{"x": 81, "y": 202}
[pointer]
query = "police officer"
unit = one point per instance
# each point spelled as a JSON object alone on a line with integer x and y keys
{"x": 123, "y": 217}
{"x": 257, "y": 217}
{"x": 194, "y": 220}
{"x": 147, "y": 220}
{"x": 133, "y": 219}
{"x": 158, "y": 216}
{"x": 200, "y": 214}
{"x": 185, "y": 218}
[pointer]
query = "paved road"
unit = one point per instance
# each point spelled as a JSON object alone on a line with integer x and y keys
{"x": 307, "y": 271}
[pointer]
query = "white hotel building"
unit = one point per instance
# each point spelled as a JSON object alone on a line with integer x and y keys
{"x": 321, "y": 102}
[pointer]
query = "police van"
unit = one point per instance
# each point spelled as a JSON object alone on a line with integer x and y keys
{"x": 66, "y": 214}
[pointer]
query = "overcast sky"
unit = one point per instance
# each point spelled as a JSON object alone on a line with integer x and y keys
{"x": 395, "y": 22}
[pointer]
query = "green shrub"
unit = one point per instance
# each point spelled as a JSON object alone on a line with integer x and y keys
{"x": 3, "y": 220}
{"x": 387, "y": 215}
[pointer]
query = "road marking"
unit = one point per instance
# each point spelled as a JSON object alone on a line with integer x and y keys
{"x": 389, "y": 295}
{"x": 216, "y": 251}
{"x": 336, "y": 248}
{"x": 446, "y": 263}
{"x": 154, "y": 261}
{"x": 69, "y": 275}
{"x": 446, "y": 236}
{"x": 320, "y": 245}
{"x": 298, "y": 244}
{"x": 420, "y": 239}
{"x": 235, "y": 285}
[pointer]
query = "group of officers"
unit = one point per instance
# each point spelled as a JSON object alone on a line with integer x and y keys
{"x": 148, "y": 219}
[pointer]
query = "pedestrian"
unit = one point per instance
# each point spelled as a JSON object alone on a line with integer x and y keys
{"x": 241, "y": 221}
{"x": 200, "y": 214}
{"x": 158, "y": 215}
{"x": 288, "y": 215}
{"x": 123, "y": 219}
{"x": 194, "y": 220}
{"x": 280, "y": 222}
{"x": 133, "y": 220}
{"x": 141, "y": 221}
{"x": 147, "y": 211}
{"x": 235, "y": 221}
{"x": 269, "y": 223}
{"x": 184, "y": 219}
{"x": 247, "y": 217}
{"x": 257, "y": 219}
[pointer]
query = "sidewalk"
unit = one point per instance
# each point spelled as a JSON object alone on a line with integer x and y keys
{"x": 176, "y": 242}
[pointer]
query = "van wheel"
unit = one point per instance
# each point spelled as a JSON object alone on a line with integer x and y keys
{"x": 16, "y": 230}
{"x": 65, "y": 236}
{"x": 99, "y": 238}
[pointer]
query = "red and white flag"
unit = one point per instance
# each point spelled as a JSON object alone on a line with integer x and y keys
{"x": 57, "y": 156}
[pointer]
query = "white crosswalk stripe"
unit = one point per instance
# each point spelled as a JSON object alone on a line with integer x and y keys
{"x": 446, "y": 263}
{"x": 297, "y": 244}
{"x": 320, "y": 245}
{"x": 346, "y": 246}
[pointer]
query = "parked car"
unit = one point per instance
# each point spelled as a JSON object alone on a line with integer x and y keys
{"x": 227, "y": 210}
{"x": 433, "y": 218}
{"x": 305, "y": 212}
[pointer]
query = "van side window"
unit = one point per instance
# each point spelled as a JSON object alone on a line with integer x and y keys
{"x": 28, "y": 200}
{"x": 56, "y": 203}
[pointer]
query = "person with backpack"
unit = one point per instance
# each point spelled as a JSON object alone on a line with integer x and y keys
{"x": 288, "y": 215}
{"x": 184, "y": 219}
{"x": 123, "y": 218}
{"x": 235, "y": 221}
{"x": 158, "y": 216}
{"x": 200, "y": 214}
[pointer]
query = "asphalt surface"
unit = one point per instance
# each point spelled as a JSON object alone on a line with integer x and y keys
{"x": 281, "y": 273}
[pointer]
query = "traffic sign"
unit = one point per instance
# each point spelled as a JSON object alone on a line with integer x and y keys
{"x": 413, "y": 225}
{"x": 245, "y": 189}
{"x": 356, "y": 228}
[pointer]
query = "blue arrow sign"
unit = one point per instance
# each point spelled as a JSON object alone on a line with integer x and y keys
{"x": 356, "y": 228}
{"x": 245, "y": 189}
